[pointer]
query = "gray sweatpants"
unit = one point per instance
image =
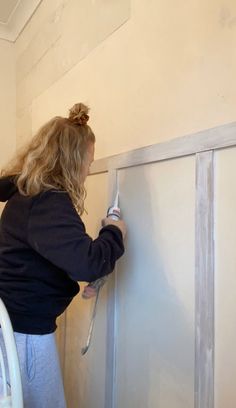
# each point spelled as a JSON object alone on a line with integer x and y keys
{"x": 40, "y": 370}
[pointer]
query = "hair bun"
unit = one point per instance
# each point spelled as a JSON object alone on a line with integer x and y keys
{"x": 78, "y": 114}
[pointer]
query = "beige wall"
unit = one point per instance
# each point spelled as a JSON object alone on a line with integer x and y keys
{"x": 7, "y": 101}
{"x": 150, "y": 71}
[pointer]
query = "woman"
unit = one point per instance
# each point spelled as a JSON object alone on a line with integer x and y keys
{"x": 44, "y": 248}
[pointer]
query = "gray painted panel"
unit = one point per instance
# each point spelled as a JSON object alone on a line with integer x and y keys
{"x": 225, "y": 279}
{"x": 155, "y": 287}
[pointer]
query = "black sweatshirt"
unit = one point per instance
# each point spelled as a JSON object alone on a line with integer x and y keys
{"x": 44, "y": 251}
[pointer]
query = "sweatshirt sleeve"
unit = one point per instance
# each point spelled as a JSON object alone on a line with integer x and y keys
{"x": 57, "y": 233}
{"x": 7, "y": 188}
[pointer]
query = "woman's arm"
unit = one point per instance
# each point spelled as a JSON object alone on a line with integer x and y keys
{"x": 57, "y": 233}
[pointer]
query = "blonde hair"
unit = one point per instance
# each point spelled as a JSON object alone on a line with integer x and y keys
{"x": 54, "y": 158}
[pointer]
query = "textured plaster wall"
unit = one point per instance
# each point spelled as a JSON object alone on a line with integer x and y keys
{"x": 150, "y": 71}
{"x": 7, "y": 102}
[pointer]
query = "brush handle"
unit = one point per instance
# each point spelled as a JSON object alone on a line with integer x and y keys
{"x": 85, "y": 349}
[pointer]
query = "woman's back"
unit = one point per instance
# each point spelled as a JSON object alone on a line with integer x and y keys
{"x": 34, "y": 290}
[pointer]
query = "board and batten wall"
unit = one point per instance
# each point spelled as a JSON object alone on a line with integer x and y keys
{"x": 150, "y": 71}
{"x": 165, "y": 328}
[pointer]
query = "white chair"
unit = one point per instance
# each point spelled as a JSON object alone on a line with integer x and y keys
{"x": 14, "y": 398}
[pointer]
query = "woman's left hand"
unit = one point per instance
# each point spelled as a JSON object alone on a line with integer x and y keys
{"x": 89, "y": 292}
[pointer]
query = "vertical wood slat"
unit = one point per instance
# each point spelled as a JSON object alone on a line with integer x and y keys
{"x": 111, "y": 313}
{"x": 204, "y": 281}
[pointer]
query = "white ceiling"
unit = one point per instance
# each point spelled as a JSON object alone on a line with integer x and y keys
{"x": 6, "y": 9}
{"x": 14, "y": 15}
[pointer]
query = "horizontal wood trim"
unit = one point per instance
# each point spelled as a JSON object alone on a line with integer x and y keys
{"x": 210, "y": 139}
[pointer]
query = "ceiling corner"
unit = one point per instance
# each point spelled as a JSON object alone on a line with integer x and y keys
{"x": 19, "y": 17}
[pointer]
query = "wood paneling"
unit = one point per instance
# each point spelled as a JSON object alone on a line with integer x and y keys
{"x": 155, "y": 342}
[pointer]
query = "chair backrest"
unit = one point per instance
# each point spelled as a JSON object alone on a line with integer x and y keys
{"x": 15, "y": 398}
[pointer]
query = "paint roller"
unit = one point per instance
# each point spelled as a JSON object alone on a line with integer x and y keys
{"x": 113, "y": 212}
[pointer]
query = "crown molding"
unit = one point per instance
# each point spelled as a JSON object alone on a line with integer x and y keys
{"x": 19, "y": 18}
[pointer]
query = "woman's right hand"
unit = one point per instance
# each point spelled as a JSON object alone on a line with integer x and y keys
{"x": 120, "y": 224}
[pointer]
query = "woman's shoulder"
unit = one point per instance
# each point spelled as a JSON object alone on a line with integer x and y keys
{"x": 51, "y": 206}
{"x": 51, "y": 193}
{"x": 48, "y": 197}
